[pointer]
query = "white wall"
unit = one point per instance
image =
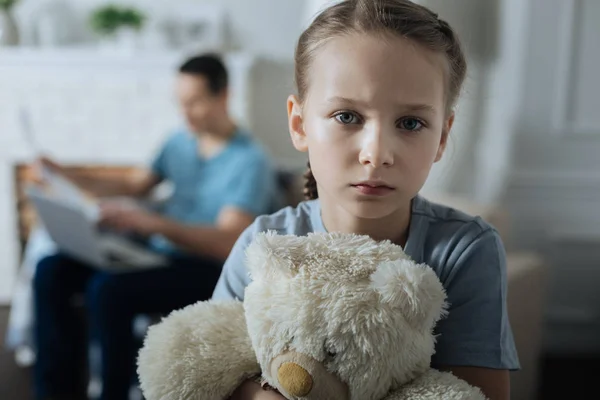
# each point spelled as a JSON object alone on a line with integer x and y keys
{"x": 266, "y": 26}
{"x": 494, "y": 34}
{"x": 554, "y": 190}
{"x": 504, "y": 96}
{"x": 477, "y": 157}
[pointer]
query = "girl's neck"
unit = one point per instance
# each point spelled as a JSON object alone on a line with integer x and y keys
{"x": 393, "y": 227}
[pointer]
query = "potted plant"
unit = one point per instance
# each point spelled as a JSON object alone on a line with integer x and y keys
{"x": 9, "y": 32}
{"x": 117, "y": 23}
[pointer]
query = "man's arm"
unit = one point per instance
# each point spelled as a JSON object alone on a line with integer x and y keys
{"x": 494, "y": 383}
{"x": 250, "y": 195}
{"x": 209, "y": 241}
{"x": 137, "y": 184}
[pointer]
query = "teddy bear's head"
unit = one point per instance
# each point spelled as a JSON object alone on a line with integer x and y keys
{"x": 339, "y": 316}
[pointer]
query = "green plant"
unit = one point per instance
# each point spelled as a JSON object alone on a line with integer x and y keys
{"x": 132, "y": 18}
{"x": 7, "y": 4}
{"x": 106, "y": 20}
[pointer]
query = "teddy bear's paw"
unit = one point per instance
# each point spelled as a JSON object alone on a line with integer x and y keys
{"x": 200, "y": 352}
{"x": 439, "y": 386}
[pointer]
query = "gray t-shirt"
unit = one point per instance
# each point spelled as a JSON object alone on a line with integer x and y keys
{"x": 466, "y": 253}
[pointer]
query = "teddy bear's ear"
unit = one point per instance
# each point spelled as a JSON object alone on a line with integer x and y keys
{"x": 267, "y": 256}
{"x": 412, "y": 289}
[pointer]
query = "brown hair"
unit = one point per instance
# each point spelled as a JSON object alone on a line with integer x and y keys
{"x": 398, "y": 17}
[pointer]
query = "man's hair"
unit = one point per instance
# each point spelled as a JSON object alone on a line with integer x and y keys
{"x": 211, "y": 67}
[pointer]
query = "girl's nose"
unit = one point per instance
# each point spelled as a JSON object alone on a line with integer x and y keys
{"x": 375, "y": 149}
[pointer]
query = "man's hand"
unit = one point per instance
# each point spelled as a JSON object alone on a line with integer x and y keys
{"x": 126, "y": 217}
{"x": 45, "y": 163}
{"x": 134, "y": 184}
{"x": 51, "y": 165}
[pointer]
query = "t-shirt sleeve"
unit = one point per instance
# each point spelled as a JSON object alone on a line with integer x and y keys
{"x": 159, "y": 164}
{"x": 254, "y": 189}
{"x": 476, "y": 332}
{"x": 234, "y": 276}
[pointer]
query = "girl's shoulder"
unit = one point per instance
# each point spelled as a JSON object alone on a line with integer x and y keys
{"x": 299, "y": 220}
{"x": 458, "y": 218}
{"x": 292, "y": 220}
{"x": 449, "y": 239}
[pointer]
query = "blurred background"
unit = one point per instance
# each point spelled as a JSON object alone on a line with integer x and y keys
{"x": 523, "y": 154}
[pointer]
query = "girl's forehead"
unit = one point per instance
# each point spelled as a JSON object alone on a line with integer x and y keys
{"x": 371, "y": 67}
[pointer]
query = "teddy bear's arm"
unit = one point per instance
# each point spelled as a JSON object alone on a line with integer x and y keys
{"x": 437, "y": 385}
{"x": 201, "y": 352}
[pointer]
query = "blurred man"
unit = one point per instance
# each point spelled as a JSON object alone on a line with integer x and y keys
{"x": 222, "y": 180}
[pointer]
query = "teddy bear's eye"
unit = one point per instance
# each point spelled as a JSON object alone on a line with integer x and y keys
{"x": 330, "y": 351}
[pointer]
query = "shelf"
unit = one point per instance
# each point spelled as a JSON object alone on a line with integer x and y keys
{"x": 98, "y": 57}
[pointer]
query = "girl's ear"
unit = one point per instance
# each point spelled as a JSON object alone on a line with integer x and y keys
{"x": 296, "y": 123}
{"x": 444, "y": 138}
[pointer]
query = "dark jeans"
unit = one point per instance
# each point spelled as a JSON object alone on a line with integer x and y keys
{"x": 111, "y": 301}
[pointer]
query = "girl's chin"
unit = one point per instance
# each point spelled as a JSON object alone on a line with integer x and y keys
{"x": 373, "y": 209}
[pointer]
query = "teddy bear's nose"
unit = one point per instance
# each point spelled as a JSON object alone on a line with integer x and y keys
{"x": 294, "y": 379}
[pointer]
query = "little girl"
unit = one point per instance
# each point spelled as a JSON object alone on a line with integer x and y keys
{"x": 377, "y": 83}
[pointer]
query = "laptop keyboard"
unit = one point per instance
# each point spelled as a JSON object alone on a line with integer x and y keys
{"x": 121, "y": 252}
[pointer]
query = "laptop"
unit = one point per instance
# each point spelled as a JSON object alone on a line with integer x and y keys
{"x": 76, "y": 234}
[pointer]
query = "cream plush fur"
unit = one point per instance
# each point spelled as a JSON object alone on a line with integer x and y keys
{"x": 327, "y": 316}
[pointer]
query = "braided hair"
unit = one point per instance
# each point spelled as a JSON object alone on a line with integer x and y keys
{"x": 310, "y": 184}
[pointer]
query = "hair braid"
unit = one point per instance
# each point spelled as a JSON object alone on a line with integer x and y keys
{"x": 310, "y": 184}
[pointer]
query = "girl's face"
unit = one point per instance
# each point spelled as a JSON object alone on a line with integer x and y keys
{"x": 373, "y": 121}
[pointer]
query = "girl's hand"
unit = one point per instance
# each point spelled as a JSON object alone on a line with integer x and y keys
{"x": 268, "y": 395}
{"x": 250, "y": 390}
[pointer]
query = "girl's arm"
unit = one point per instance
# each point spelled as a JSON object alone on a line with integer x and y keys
{"x": 234, "y": 276}
{"x": 475, "y": 340}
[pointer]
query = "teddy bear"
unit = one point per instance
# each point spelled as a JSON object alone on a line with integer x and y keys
{"x": 326, "y": 316}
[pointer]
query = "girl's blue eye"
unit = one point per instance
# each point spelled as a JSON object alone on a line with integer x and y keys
{"x": 346, "y": 118}
{"x": 411, "y": 124}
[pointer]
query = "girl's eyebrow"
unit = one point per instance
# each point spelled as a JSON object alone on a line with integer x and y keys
{"x": 345, "y": 100}
{"x": 401, "y": 106}
{"x": 417, "y": 107}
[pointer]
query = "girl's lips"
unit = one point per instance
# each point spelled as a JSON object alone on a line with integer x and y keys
{"x": 373, "y": 189}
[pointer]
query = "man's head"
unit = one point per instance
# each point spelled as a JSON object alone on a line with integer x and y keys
{"x": 202, "y": 92}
